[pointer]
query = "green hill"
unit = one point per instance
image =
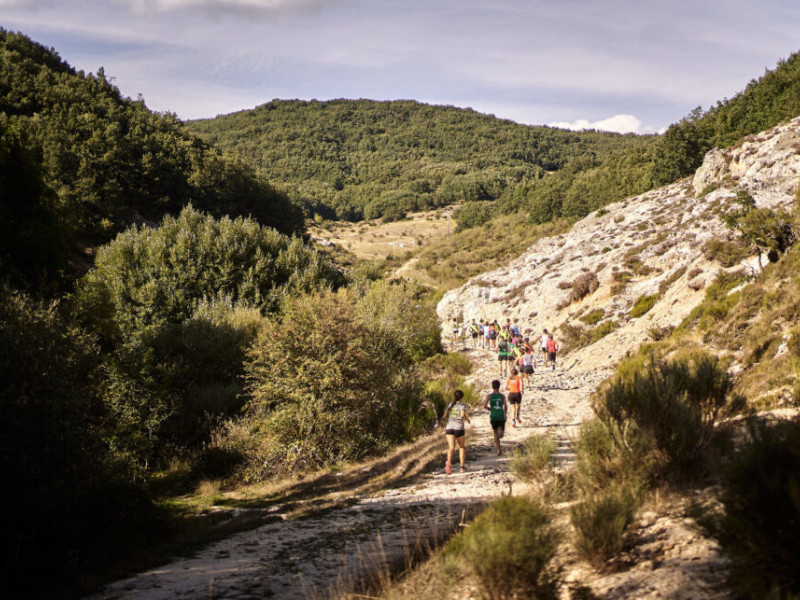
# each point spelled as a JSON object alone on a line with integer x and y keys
{"x": 78, "y": 154}
{"x": 354, "y": 159}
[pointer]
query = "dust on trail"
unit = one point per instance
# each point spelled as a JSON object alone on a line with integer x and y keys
{"x": 344, "y": 547}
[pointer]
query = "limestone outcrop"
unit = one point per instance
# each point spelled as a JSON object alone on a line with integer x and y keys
{"x": 645, "y": 246}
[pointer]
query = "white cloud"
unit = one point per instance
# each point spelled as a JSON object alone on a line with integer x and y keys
{"x": 142, "y": 6}
{"x": 617, "y": 123}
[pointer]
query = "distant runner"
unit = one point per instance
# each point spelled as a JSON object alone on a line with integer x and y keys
{"x": 474, "y": 330}
{"x": 526, "y": 366}
{"x": 503, "y": 356}
{"x": 514, "y": 388}
{"x": 498, "y": 409}
{"x": 552, "y": 349}
{"x": 456, "y": 415}
{"x": 544, "y": 339}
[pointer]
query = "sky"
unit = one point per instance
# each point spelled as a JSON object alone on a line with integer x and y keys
{"x": 617, "y": 65}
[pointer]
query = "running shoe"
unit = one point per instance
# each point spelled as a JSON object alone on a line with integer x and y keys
{"x": 463, "y": 469}
{"x": 448, "y": 468}
{"x": 513, "y": 424}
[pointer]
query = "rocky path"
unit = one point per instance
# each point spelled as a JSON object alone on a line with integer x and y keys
{"x": 377, "y": 532}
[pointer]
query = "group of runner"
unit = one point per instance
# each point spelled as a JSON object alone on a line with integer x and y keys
{"x": 498, "y": 406}
{"x": 517, "y": 358}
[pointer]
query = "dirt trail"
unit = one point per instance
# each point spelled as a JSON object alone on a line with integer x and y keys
{"x": 341, "y": 547}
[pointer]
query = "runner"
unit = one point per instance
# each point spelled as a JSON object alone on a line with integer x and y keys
{"x": 552, "y": 348}
{"x": 544, "y": 339}
{"x": 474, "y": 330}
{"x": 515, "y": 328}
{"x": 514, "y": 389}
{"x": 526, "y": 366}
{"x": 487, "y": 330}
{"x": 496, "y": 402}
{"x": 456, "y": 415}
{"x": 503, "y": 356}
{"x": 455, "y": 332}
{"x": 493, "y": 336}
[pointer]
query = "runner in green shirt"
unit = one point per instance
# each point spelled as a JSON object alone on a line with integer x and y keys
{"x": 498, "y": 408}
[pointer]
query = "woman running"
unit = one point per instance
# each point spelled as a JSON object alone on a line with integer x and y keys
{"x": 514, "y": 389}
{"x": 456, "y": 415}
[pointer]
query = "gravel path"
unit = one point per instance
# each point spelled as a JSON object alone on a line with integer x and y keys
{"x": 345, "y": 547}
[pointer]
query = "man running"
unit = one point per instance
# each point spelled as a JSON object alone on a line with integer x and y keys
{"x": 514, "y": 389}
{"x": 503, "y": 356}
{"x": 456, "y": 415}
{"x": 474, "y": 331}
{"x": 552, "y": 349}
{"x": 498, "y": 409}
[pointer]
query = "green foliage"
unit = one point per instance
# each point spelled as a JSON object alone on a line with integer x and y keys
{"x": 642, "y": 305}
{"x": 325, "y": 385}
{"x": 602, "y": 330}
{"x": 601, "y": 521}
{"x": 510, "y": 548}
{"x": 67, "y": 504}
{"x": 770, "y": 231}
{"x": 33, "y": 237}
{"x": 110, "y": 161}
{"x": 760, "y": 528}
{"x": 663, "y": 414}
{"x": 149, "y": 277}
{"x": 532, "y": 457}
{"x": 364, "y": 159}
{"x": 473, "y": 214}
{"x": 727, "y": 253}
{"x": 593, "y": 316}
{"x": 176, "y": 306}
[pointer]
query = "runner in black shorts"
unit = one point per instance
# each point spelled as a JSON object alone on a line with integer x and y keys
{"x": 498, "y": 409}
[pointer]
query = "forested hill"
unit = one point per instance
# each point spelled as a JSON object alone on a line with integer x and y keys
{"x": 354, "y": 159}
{"x": 79, "y": 161}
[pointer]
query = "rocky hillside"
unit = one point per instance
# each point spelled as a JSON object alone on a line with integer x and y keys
{"x": 639, "y": 266}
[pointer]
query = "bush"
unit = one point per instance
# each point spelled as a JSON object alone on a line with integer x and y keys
{"x": 602, "y": 330}
{"x": 593, "y": 316}
{"x": 532, "y": 457}
{"x": 663, "y": 414}
{"x": 760, "y": 528}
{"x": 601, "y": 521}
{"x": 149, "y": 277}
{"x": 325, "y": 387}
{"x": 727, "y": 253}
{"x": 67, "y": 502}
{"x": 583, "y": 285}
{"x": 643, "y": 305}
{"x": 510, "y": 547}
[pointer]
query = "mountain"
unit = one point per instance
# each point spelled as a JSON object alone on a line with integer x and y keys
{"x": 354, "y": 159}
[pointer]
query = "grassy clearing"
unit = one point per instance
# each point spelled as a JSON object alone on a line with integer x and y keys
{"x": 451, "y": 260}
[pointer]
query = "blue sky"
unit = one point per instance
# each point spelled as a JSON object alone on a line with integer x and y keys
{"x": 620, "y": 65}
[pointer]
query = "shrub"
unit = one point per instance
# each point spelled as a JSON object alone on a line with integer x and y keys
{"x": 727, "y": 253}
{"x": 760, "y": 528}
{"x": 583, "y": 285}
{"x": 602, "y": 330}
{"x": 148, "y": 277}
{"x": 325, "y": 387}
{"x": 532, "y": 457}
{"x": 510, "y": 548}
{"x": 663, "y": 414}
{"x": 575, "y": 336}
{"x": 593, "y": 316}
{"x": 642, "y": 305}
{"x": 68, "y": 503}
{"x": 602, "y": 520}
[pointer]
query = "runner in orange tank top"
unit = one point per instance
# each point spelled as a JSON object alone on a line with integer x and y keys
{"x": 514, "y": 388}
